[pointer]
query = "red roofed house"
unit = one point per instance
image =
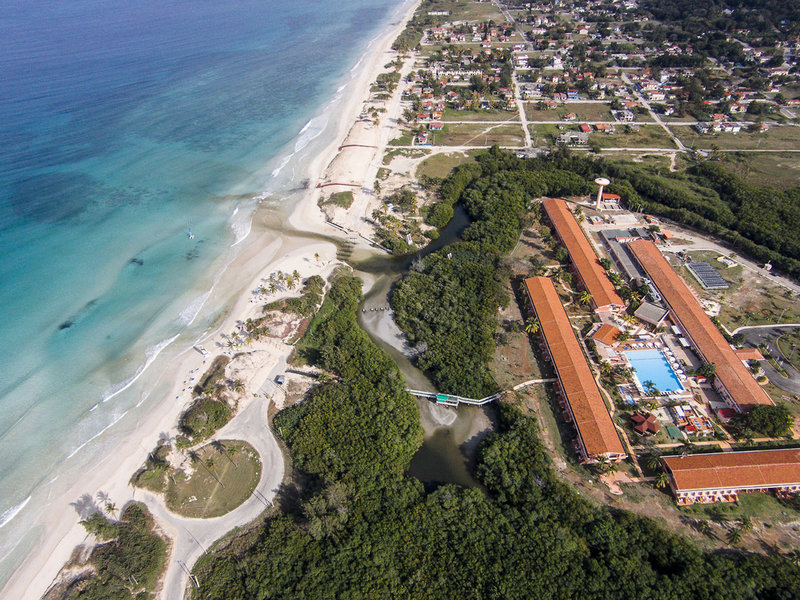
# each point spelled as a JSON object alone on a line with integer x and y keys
{"x": 645, "y": 423}
{"x": 722, "y": 476}
{"x": 585, "y": 128}
{"x": 606, "y": 334}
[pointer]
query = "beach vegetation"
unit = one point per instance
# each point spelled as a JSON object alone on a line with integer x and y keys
{"x": 128, "y": 561}
{"x": 204, "y": 417}
{"x": 309, "y": 300}
{"x": 214, "y": 374}
{"x": 152, "y": 475}
{"x": 342, "y": 199}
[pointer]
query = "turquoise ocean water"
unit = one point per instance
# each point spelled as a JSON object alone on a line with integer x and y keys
{"x": 122, "y": 126}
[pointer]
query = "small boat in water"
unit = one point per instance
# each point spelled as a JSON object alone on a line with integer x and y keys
{"x": 191, "y": 235}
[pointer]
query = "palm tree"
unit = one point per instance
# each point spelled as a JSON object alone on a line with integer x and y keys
{"x": 746, "y": 524}
{"x": 606, "y": 369}
{"x": 735, "y": 536}
{"x": 194, "y": 457}
{"x": 221, "y": 449}
{"x": 629, "y": 319}
{"x": 237, "y": 385}
{"x": 705, "y": 528}
{"x": 316, "y": 256}
{"x": 111, "y": 508}
{"x": 650, "y": 388}
{"x": 532, "y": 325}
{"x": 652, "y": 461}
{"x": 585, "y": 298}
{"x": 662, "y": 480}
{"x": 296, "y": 274}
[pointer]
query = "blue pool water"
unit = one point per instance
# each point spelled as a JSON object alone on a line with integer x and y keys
{"x": 652, "y": 365}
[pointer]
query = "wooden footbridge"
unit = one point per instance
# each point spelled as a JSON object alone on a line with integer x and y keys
{"x": 451, "y": 400}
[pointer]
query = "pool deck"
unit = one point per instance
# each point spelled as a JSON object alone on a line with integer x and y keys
{"x": 670, "y": 362}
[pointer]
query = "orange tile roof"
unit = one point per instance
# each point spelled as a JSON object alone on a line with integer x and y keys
{"x": 607, "y": 334}
{"x": 726, "y": 470}
{"x": 582, "y": 254}
{"x": 731, "y": 372}
{"x": 591, "y": 417}
{"x": 749, "y": 354}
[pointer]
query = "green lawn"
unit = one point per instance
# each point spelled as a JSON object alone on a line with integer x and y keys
{"x": 764, "y": 169}
{"x": 777, "y": 138}
{"x": 789, "y": 345}
{"x": 480, "y": 115}
{"x": 440, "y": 165}
{"x": 222, "y": 479}
{"x": 647, "y": 136}
{"x": 461, "y": 134}
{"x": 587, "y": 111}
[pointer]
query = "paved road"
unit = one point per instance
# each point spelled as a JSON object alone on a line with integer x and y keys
{"x": 653, "y": 113}
{"x": 192, "y": 537}
{"x": 768, "y": 335}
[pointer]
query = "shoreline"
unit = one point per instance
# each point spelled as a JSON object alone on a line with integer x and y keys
{"x": 61, "y": 532}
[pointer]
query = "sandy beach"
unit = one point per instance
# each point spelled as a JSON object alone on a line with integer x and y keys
{"x": 269, "y": 252}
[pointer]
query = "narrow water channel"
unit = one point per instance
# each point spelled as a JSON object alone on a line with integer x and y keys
{"x": 452, "y": 435}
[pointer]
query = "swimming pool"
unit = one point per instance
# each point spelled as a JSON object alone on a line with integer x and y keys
{"x": 652, "y": 365}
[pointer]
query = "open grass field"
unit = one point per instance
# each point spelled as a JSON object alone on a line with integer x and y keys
{"x": 777, "y": 138}
{"x": 647, "y": 136}
{"x": 546, "y": 134}
{"x": 225, "y": 475}
{"x": 758, "y": 302}
{"x": 440, "y": 164}
{"x": 464, "y": 10}
{"x": 586, "y": 111}
{"x": 764, "y": 169}
{"x": 480, "y": 115}
{"x": 642, "y": 136}
{"x": 479, "y": 135}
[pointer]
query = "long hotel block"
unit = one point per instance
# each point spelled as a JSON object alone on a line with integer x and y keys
{"x": 733, "y": 380}
{"x": 597, "y": 436}
{"x": 587, "y": 267}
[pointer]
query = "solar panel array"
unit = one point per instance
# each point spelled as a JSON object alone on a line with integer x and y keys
{"x": 708, "y": 276}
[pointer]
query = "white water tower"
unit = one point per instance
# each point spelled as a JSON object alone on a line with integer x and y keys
{"x": 602, "y": 182}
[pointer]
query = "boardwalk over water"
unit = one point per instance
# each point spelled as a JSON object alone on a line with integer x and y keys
{"x": 451, "y": 400}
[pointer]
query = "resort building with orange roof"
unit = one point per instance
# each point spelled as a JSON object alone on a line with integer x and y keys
{"x": 722, "y": 476}
{"x": 585, "y": 263}
{"x": 733, "y": 380}
{"x": 579, "y": 395}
